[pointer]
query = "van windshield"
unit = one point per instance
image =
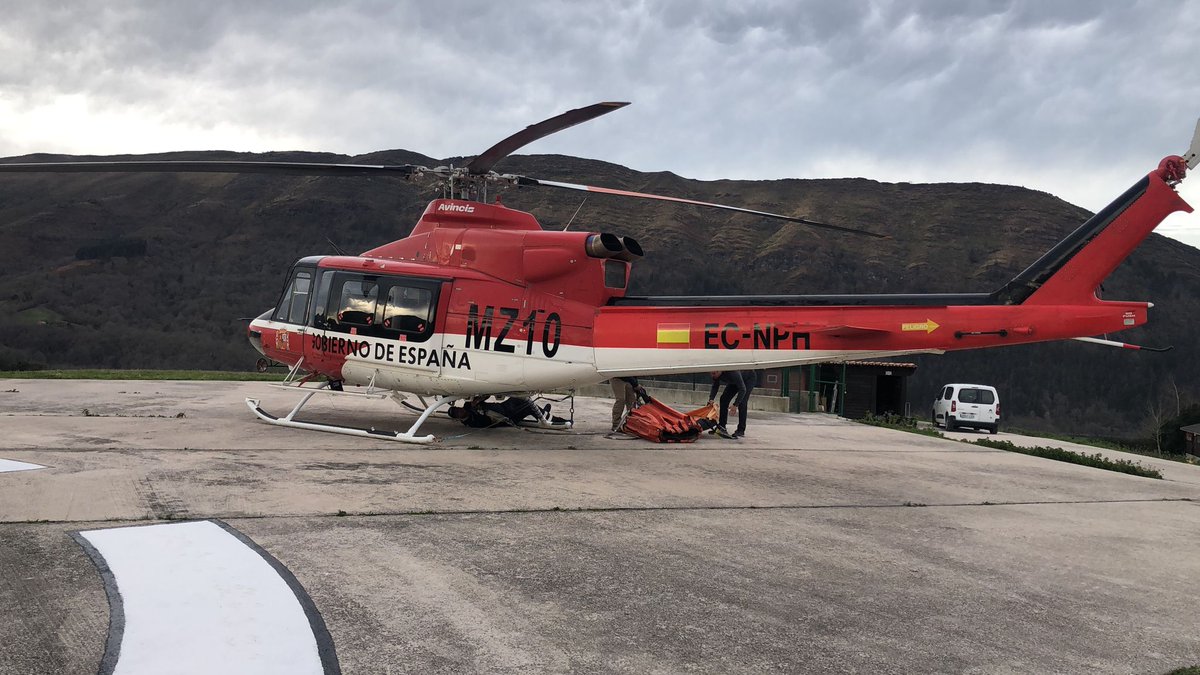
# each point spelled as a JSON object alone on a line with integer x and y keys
{"x": 983, "y": 396}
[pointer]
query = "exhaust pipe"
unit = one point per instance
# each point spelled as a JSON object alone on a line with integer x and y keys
{"x": 603, "y": 245}
{"x": 607, "y": 245}
{"x": 631, "y": 250}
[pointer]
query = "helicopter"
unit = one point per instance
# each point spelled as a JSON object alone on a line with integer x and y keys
{"x": 480, "y": 300}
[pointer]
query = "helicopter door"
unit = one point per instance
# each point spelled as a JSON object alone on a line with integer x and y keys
{"x": 293, "y": 311}
{"x": 407, "y": 312}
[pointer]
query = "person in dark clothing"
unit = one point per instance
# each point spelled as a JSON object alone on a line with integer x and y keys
{"x": 481, "y": 414}
{"x": 470, "y": 415}
{"x": 738, "y": 384}
{"x": 626, "y": 392}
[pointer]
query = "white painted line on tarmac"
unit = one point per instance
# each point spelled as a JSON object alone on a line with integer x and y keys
{"x": 14, "y": 465}
{"x": 200, "y": 597}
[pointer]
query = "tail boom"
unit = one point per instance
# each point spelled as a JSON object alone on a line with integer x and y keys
{"x": 655, "y": 340}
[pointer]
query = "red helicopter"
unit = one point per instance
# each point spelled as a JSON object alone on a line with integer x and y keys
{"x": 480, "y": 300}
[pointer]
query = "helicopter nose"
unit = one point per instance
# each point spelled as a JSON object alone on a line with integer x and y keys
{"x": 255, "y": 337}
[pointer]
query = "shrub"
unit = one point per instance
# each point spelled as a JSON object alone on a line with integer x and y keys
{"x": 1097, "y": 460}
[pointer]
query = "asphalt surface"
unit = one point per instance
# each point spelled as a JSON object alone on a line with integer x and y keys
{"x": 814, "y": 545}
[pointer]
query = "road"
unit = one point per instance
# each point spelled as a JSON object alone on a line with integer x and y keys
{"x": 168, "y": 526}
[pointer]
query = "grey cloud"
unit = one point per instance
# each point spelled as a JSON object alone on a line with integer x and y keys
{"x": 752, "y": 89}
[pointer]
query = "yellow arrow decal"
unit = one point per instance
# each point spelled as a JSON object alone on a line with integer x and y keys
{"x": 929, "y": 325}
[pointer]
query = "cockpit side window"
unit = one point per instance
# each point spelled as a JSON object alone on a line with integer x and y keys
{"x": 293, "y": 304}
{"x": 320, "y": 311}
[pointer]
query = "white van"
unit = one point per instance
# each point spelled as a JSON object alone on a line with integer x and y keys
{"x": 967, "y": 405}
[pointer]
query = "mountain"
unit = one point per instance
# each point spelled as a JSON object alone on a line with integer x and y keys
{"x": 154, "y": 270}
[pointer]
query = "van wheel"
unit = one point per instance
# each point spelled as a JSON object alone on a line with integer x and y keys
{"x": 995, "y": 428}
{"x": 949, "y": 423}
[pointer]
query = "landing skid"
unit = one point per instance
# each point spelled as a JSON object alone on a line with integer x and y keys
{"x": 290, "y": 420}
{"x": 545, "y": 421}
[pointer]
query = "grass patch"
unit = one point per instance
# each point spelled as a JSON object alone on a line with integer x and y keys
{"x": 1097, "y": 460}
{"x": 139, "y": 375}
{"x": 1144, "y": 448}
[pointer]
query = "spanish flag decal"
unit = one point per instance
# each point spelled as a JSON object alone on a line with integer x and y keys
{"x": 674, "y": 335}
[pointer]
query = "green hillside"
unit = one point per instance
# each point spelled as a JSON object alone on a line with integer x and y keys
{"x": 154, "y": 271}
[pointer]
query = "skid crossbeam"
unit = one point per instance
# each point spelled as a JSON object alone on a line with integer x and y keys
{"x": 290, "y": 420}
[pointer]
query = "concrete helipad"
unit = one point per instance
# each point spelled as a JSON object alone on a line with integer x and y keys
{"x": 814, "y": 545}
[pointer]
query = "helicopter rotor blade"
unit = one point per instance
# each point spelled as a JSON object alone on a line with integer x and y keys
{"x": 1192, "y": 156}
{"x": 488, "y": 158}
{"x": 292, "y": 168}
{"x": 525, "y": 180}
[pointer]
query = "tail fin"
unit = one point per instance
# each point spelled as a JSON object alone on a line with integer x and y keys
{"x": 1071, "y": 272}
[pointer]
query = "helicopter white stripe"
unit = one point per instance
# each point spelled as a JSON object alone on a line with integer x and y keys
{"x": 571, "y": 365}
{"x": 14, "y": 465}
{"x": 196, "y": 599}
{"x": 516, "y": 372}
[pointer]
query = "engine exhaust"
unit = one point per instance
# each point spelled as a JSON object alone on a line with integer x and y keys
{"x": 631, "y": 250}
{"x": 603, "y": 246}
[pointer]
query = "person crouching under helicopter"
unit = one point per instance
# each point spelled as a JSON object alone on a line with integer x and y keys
{"x": 626, "y": 392}
{"x": 481, "y": 414}
{"x": 737, "y": 384}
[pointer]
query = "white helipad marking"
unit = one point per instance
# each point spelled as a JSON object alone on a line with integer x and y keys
{"x": 198, "y": 600}
{"x": 14, "y": 465}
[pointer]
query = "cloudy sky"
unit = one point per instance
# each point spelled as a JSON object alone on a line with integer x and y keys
{"x": 1078, "y": 99}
